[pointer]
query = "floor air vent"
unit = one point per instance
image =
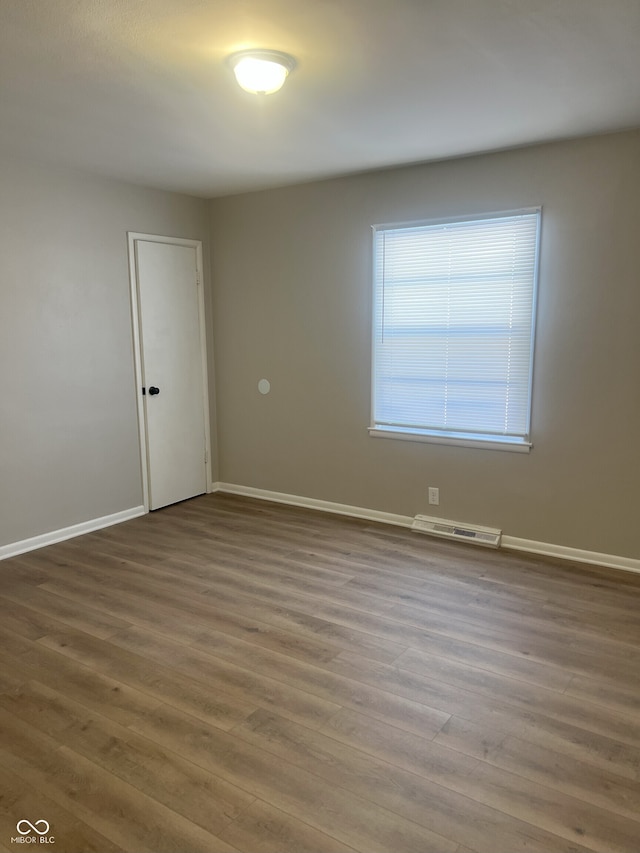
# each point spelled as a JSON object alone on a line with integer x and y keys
{"x": 487, "y": 536}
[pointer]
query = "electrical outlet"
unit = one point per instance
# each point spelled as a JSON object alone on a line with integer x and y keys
{"x": 434, "y": 496}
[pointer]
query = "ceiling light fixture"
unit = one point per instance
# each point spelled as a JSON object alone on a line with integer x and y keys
{"x": 261, "y": 71}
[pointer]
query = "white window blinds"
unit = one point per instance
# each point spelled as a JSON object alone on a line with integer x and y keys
{"x": 453, "y": 327}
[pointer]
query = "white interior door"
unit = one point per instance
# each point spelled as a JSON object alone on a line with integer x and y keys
{"x": 171, "y": 368}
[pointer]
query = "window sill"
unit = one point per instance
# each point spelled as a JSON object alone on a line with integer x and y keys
{"x": 479, "y": 443}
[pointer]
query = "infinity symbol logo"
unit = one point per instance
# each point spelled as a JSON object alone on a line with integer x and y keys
{"x": 31, "y": 827}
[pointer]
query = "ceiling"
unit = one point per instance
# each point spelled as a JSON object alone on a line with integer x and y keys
{"x": 139, "y": 89}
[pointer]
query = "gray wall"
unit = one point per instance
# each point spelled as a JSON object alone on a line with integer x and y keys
{"x": 68, "y": 429}
{"x": 292, "y": 303}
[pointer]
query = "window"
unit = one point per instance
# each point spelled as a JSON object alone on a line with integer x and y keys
{"x": 454, "y": 310}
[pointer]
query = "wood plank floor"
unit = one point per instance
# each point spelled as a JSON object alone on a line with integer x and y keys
{"x": 233, "y": 675}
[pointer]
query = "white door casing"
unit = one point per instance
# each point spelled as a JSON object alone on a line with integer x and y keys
{"x": 170, "y": 355}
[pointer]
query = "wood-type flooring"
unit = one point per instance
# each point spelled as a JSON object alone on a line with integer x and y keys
{"x": 233, "y": 675}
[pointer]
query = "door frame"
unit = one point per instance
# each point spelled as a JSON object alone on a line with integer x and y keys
{"x": 132, "y": 236}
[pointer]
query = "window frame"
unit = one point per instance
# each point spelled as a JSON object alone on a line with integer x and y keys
{"x": 457, "y": 437}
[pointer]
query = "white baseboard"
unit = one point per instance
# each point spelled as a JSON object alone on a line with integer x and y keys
{"x": 594, "y": 558}
{"x": 25, "y": 545}
{"x": 511, "y": 543}
{"x": 314, "y": 503}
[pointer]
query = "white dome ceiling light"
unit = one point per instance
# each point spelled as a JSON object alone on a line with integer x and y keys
{"x": 261, "y": 72}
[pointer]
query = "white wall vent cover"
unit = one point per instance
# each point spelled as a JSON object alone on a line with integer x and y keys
{"x": 487, "y": 536}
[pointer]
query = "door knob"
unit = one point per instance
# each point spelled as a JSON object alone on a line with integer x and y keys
{"x": 153, "y": 390}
